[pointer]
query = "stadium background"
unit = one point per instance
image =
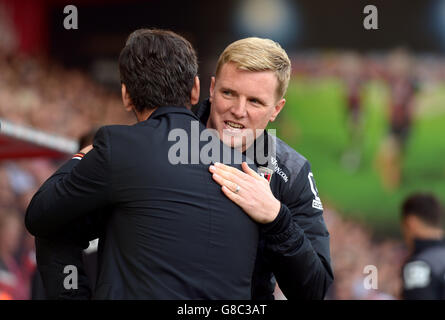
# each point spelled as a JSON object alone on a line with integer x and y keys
{"x": 57, "y": 83}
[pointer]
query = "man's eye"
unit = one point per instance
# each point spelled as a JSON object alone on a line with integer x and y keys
{"x": 227, "y": 92}
{"x": 255, "y": 101}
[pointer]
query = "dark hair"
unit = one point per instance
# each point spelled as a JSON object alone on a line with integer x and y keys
{"x": 158, "y": 68}
{"x": 424, "y": 206}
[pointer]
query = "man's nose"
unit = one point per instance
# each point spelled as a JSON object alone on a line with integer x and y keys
{"x": 239, "y": 108}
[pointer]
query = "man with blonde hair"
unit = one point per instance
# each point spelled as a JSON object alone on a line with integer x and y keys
{"x": 247, "y": 93}
{"x": 266, "y": 68}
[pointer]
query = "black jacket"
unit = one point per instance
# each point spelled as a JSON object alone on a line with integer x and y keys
{"x": 423, "y": 273}
{"x": 295, "y": 246}
{"x": 170, "y": 232}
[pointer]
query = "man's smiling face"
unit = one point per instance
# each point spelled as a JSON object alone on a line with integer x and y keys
{"x": 242, "y": 102}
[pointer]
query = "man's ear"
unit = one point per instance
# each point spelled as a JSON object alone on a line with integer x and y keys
{"x": 128, "y": 104}
{"x": 278, "y": 107}
{"x": 194, "y": 96}
{"x": 212, "y": 89}
{"x": 411, "y": 222}
{"x": 405, "y": 223}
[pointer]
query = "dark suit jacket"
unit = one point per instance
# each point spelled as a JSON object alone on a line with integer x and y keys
{"x": 170, "y": 233}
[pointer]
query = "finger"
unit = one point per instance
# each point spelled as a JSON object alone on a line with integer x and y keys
{"x": 230, "y": 169}
{"x": 225, "y": 183}
{"x": 226, "y": 174}
{"x": 250, "y": 171}
{"x": 231, "y": 195}
{"x": 87, "y": 149}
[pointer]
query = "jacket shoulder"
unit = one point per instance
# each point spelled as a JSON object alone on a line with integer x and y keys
{"x": 288, "y": 163}
{"x": 119, "y": 130}
{"x": 434, "y": 257}
{"x": 116, "y": 127}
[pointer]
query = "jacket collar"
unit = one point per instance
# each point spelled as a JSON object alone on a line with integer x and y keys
{"x": 202, "y": 111}
{"x": 171, "y": 109}
{"x": 423, "y": 244}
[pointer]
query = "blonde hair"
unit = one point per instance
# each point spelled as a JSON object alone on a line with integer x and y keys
{"x": 256, "y": 54}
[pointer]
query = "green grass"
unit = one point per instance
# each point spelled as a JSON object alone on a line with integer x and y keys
{"x": 313, "y": 123}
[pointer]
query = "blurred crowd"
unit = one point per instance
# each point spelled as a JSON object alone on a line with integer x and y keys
{"x": 46, "y": 96}
{"x": 353, "y": 248}
{"x": 19, "y": 180}
{"x": 428, "y": 68}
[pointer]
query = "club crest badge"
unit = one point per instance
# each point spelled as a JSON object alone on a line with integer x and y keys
{"x": 265, "y": 172}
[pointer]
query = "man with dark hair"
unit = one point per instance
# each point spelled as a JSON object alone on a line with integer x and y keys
{"x": 422, "y": 226}
{"x": 168, "y": 233}
{"x": 155, "y": 72}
